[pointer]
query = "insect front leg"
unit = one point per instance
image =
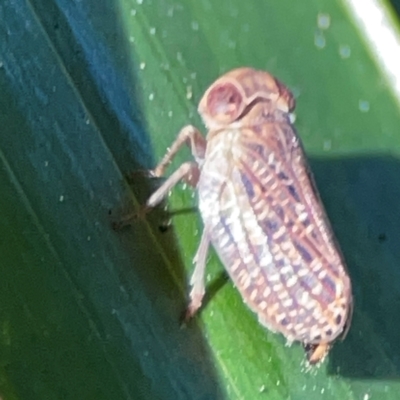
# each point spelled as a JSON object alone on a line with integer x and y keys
{"x": 188, "y": 171}
{"x": 188, "y": 135}
{"x": 197, "y": 279}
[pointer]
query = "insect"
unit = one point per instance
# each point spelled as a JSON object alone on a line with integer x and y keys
{"x": 262, "y": 213}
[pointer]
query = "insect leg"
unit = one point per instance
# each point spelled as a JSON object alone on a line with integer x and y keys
{"x": 197, "y": 279}
{"x": 188, "y": 135}
{"x": 188, "y": 171}
{"x": 316, "y": 353}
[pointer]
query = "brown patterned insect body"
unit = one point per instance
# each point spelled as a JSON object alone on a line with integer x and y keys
{"x": 262, "y": 213}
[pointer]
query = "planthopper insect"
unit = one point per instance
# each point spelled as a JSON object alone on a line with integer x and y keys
{"x": 262, "y": 212}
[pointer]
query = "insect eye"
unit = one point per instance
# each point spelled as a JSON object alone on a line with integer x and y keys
{"x": 224, "y": 102}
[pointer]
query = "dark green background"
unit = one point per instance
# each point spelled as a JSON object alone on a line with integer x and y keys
{"x": 92, "y": 91}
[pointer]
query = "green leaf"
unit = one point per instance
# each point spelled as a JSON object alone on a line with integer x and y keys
{"x": 94, "y": 91}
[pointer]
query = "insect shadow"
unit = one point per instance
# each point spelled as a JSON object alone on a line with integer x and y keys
{"x": 361, "y": 195}
{"x": 164, "y": 278}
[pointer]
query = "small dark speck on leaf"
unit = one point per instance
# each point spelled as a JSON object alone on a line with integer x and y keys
{"x": 163, "y": 228}
{"x": 382, "y": 237}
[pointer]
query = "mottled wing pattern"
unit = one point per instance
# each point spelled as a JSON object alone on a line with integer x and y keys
{"x": 275, "y": 240}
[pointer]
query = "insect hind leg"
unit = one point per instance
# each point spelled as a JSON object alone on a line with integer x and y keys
{"x": 316, "y": 353}
{"x": 197, "y": 279}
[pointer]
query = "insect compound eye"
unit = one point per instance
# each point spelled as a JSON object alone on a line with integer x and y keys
{"x": 224, "y": 102}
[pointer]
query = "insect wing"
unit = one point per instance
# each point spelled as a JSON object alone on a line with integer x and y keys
{"x": 282, "y": 255}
